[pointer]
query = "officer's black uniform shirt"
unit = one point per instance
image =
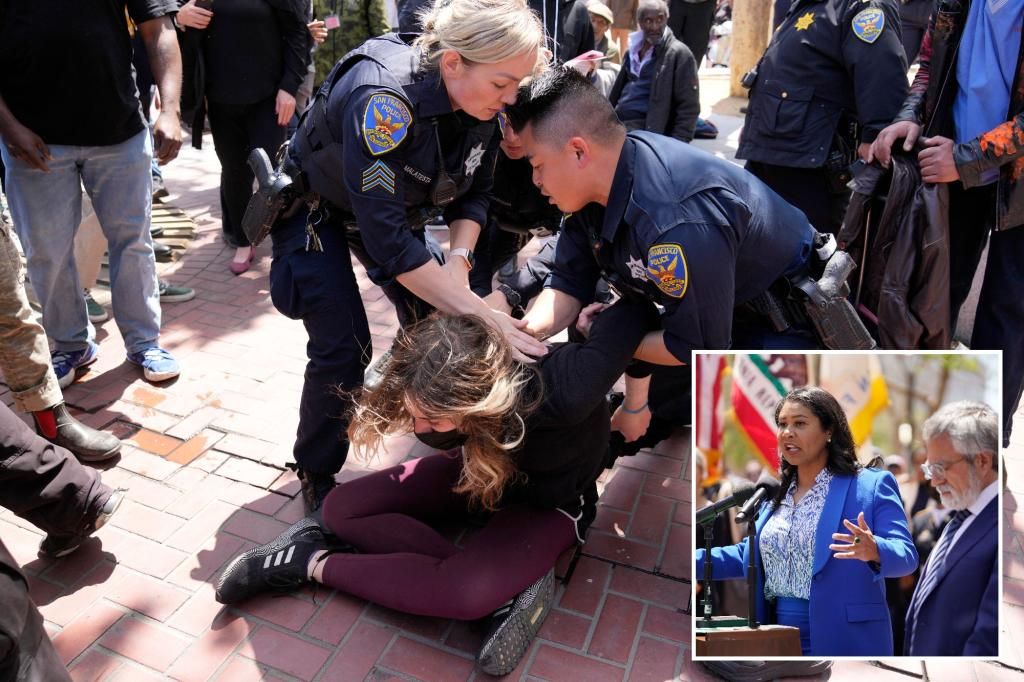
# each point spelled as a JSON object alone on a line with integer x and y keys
{"x": 517, "y": 202}
{"x": 828, "y": 56}
{"x": 391, "y": 118}
{"x": 684, "y": 229}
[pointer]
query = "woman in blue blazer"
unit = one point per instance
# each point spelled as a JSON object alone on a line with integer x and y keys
{"x": 828, "y": 539}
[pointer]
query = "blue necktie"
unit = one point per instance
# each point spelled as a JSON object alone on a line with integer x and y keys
{"x": 935, "y": 563}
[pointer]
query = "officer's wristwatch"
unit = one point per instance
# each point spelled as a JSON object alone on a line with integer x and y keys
{"x": 465, "y": 254}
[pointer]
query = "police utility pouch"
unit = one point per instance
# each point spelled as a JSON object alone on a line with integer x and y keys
{"x": 272, "y": 197}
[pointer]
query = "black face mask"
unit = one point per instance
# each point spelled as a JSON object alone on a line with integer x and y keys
{"x": 442, "y": 440}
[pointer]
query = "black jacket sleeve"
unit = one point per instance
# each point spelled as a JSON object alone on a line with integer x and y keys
{"x": 295, "y": 46}
{"x": 579, "y": 375}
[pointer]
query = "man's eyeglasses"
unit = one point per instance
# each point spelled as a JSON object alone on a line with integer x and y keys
{"x": 938, "y": 470}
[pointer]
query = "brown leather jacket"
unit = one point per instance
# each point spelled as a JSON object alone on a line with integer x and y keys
{"x": 901, "y": 288}
{"x": 930, "y": 103}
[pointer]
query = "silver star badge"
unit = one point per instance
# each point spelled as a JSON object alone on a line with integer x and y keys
{"x": 476, "y": 154}
{"x": 637, "y": 268}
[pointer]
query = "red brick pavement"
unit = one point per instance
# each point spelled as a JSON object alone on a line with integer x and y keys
{"x": 203, "y": 469}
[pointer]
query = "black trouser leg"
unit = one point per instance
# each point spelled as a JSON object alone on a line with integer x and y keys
{"x": 999, "y": 322}
{"x": 809, "y": 189}
{"x": 691, "y": 23}
{"x": 43, "y": 483}
{"x": 320, "y": 289}
{"x": 971, "y": 216}
{"x": 237, "y": 129}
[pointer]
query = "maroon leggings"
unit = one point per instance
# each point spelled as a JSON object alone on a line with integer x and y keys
{"x": 409, "y": 566}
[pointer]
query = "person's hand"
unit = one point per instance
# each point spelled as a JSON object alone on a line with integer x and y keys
{"x": 497, "y": 301}
{"x": 284, "y": 107}
{"x": 191, "y": 16}
{"x": 317, "y": 30}
{"x": 166, "y": 137}
{"x": 864, "y": 152}
{"x": 26, "y": 146}
{"x": 860, "y": 542}
{"x": 587, "y": 316}
{"x": 881, "y": 148}
{"x": 524, "y": 344}
{"x": 458, "y": 269}
{"x": 936, "y": 160}
{"x": 631, "y": 426}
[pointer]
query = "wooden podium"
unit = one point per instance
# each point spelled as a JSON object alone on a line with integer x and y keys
{"x": 765, "y": 641}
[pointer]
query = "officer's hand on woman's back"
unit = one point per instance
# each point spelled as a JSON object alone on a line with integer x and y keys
{"x": 881, "y": 148}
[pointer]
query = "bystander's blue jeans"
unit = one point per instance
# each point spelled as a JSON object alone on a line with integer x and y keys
{"x": 47, "y": 208}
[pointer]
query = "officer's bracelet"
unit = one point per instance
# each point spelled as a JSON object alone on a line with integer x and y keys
{"x": 636, "y": 411}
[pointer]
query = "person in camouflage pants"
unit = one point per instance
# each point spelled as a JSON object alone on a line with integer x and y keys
{"x": 360, "y": 19}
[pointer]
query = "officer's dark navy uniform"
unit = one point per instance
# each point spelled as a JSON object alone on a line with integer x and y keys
{"x": 831, "y": 67}
{"x": 379, "y": 152}
{"x": 695, "y": 234}
{"x": 517, "y": 208}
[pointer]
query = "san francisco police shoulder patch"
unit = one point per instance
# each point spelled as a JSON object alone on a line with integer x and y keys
{"x": 666, "y": 267}
{"x": 868, "y": 24}
{"x": 386, "y": 123}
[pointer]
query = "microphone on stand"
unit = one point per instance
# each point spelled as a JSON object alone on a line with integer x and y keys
{"x": 741, "y": 493}
{"x": 765, "y": 489}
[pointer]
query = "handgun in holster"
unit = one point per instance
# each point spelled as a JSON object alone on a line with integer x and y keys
{"x": 828, "y": 308}
{"x": 275, "y": 194}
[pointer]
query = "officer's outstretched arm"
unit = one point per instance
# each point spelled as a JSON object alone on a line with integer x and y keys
{"x": 431, "y": 283}
{"x": 552, "y": 311}
{"x": 653, "y": 350}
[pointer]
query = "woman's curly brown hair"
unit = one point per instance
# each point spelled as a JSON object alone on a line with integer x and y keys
{"x": 457, "y": 368}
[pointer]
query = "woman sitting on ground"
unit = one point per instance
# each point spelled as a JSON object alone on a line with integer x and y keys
{"x": 526, "y": 442}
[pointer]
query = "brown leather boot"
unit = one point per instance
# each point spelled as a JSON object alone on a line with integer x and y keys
{"x": 86, "y": 443}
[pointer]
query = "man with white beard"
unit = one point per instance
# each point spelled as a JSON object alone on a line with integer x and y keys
{"x": 954, "y": 610}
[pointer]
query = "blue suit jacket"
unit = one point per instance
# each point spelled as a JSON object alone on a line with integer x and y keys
{"x": 960, "y": 615}
{"x": 848, "y": 612}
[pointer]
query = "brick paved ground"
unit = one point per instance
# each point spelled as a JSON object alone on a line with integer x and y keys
{"x": 203, "y": 469}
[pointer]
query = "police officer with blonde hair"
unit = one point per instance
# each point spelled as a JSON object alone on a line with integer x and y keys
{"x": 402, "y": 131}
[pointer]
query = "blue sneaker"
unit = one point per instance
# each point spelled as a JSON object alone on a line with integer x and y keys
{"x": 66, "y": 363}
{"x": 156, "y": 363}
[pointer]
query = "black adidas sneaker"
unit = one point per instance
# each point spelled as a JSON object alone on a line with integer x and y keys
{"x": 514, "y": 626}
{"x": 279, "y": 566}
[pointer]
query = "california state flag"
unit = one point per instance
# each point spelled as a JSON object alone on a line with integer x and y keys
{"x": 708, "y": 431}
{"x": 857, "y": 383}
{"x": 755, "y": 394}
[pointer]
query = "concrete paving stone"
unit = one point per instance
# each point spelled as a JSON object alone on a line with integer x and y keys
{"x": 241, "y": 669}
{"x": 94, "y": 666}
{"x": 144, "y": 521}
{"x": 204, "y": 656}
{"x": 584, "y": 592}
{"x": 194, "y": 423}
{"x": 335, "y": 618}
{"x": 152, "y": 646}
{"x": 465, "y": 637}
{"x": 153, "y": 494}
{"x": 677, "y": 556}
{"x": 647, "y": 587}
{"x": 550, "y": 663}
{"x": 650, "y": 520}
{"x": 654, "y": 464}
{"x": 252, "y": 526}
{"x": 672, "y": 488}
{"x": 249, "y": 472}
{"x": 622, "y": 550}
{"x": 422, "y": 626}
{"x": 655, "y": 661}
{"x": 670, "y": 624}
{"x": 149, "y": 557}
{"x": 282, "y": 610}
{"x": 360, "y": 651}
{"x": 612, "y": 521}
{"x": 622, "y": 488}
{"x": 200, "y": 613}
{"x": 185, "y": 478}
{"x": 148, "y": 596}
{"x": 617, "y": 626}
{"x": 79, "y": 634}
{"x": 425, "y": 662}
{"x": 145, "y": 464}
{"x": 252, "y": 498}
{"x": 565, "y": 628}
{"x": 286, "y": 653}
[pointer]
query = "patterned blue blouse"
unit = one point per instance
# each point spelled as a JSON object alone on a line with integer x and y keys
{"x": 787, "y": 541}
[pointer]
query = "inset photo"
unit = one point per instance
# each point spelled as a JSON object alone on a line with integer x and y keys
{"x": 847, "y": 505}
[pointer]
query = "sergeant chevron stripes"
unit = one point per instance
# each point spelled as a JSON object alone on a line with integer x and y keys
{"x": 378, "y": 174}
